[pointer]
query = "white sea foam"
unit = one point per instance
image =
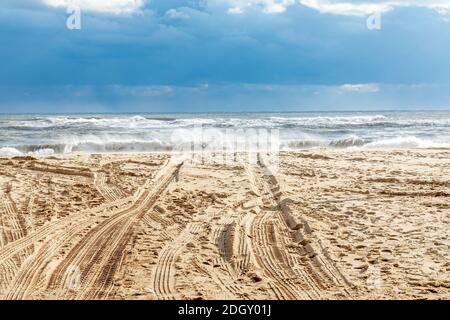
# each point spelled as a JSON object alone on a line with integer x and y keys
{"x": 12, "y": 152}
{"x": 8, "y": 151}
{"x": 331, "y": 120}
{"x": 42, "y": 134}
{"x": 406, "y": 142}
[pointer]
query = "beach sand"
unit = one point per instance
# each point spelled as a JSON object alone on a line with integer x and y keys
{"x": 327, "y": 224}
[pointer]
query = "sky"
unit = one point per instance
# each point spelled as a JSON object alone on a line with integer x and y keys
{"x": 224, "y": 55}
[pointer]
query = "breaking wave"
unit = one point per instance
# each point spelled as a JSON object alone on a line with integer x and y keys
{"x": 50, "y": 134}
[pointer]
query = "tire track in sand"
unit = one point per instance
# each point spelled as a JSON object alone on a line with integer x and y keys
{"x": 12, "y": 228}
{"x": 163, "y": 277}
{"x": 105, "y": 190}
{"x": 314, "y": 264}
{"x": 13, "y": 224}
{"x": 261, "y": 243}
{"x": 49, "y": 240}
{"x": 64, "y": 232}
{"x": 100, "y": 253}
{"x": 227, "y": 239}
{"x": 290, "y": 273}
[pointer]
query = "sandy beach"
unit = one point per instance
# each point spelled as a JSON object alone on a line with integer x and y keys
{"x": 328, "y": 224}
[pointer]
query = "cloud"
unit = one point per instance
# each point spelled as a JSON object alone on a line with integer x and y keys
{"x": 235, "y": 10}
{"x": 219, "y": 97}
{"x": 142, "y": 91}
{"x": 337, "y": 7}
{"x": 268, "y": 6}
{"x": 364, "y": 7}
{"x": 176, "y": 14}
{"x": 370, "y": 88}
{"x": 347, "y": 8}
{"x": 103, "y": 6}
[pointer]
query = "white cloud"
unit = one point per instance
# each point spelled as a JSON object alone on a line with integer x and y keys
{"x": 338, "y": 7}
{"x": 347, "y": 8}
{"x": 145, "y": 91}
{"x": 176, "y": 14}
{"x": 268, "y": 6}
{"x": 365, "y": 7}
{"x": 235, "y": 10}
{"x": 104, "y": 6}
{"x": 367, "y": 87}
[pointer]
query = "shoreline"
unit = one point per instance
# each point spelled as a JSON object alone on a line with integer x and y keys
{"x": 282, "y": 151}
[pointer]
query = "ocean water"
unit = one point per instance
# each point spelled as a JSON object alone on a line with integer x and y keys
{"x": 50, "y": 134}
